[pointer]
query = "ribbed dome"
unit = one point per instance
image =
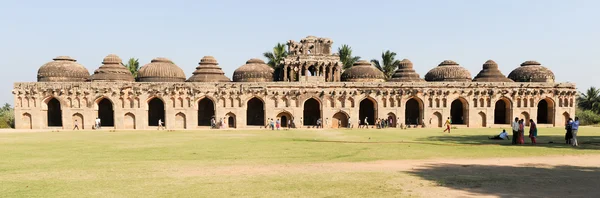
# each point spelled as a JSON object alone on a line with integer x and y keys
{"x": 363, "y": 71}
{"x": 255, "y": 70}
{"x": 531, "y": 71}
{"x": 406, "y": 73}
{"x": 63, "y": 69}
{"x": 491, "y": 73}
{"x": 448, "y": 71}
{"x": 161, "y": 70}
{"x": 112, "y": 70}
{"x": 208, "y": 71}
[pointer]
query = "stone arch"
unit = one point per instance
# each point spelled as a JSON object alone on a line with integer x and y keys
{"x": 351, "y": 101}
{"x": 54, "y": 112}
{"x": 445, "y": 102}
{"x": 180, "y": 99}
{"x": 156, "y": 111}
{"x": 342, "y": 101}
{"x": 571, "y": 101}
{"x": 459, "y": 111}
{"x": 339, "y": 120}
{"x": 531, "y": 103}
{"x": 475, "y": 102}
{"x": 78, "y": 117}
{"x": 129, "y": 121}
{"x": 560, "y": 102}
{"x": 284, "y": 117}
{"x": 430, "y": 103}
{"x": 413, "y": 111}
{"x": 180, "y": 121}
{"x": 27, "y": 121}
{"x": 545, "y": 111}
{"x": 105, "y": 111}
{"x": 525, "y": 116}
{"x": 437, "y": 103}
{"x": 311, "y": 111}
{"x": 502, "y": 111}
{"x": 206, "y": 110}
{"x": 368, "y": 109}
{"x": 392, "y": 118}
{"x": 392, "y": 102}
{"x": 255, "y": 112}
{"x": 231, "y": 120}
{"x": 525, "y": 102}
{"x": 483, "y": 119}
{"x": 482, "y": 102}
{"x": 566, "y": 117}
{"x": 518, "y": 102}
{"x": 436, "y": 119}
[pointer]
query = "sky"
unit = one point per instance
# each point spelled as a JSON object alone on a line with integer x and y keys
{"x": 562, "y": 35}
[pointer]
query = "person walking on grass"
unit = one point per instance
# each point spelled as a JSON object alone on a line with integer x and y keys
{"x": 278, "y": 124}
{"x": 532, "y": 131}
{"x": 574, "y": 129}
{"x": 515, "y": 129}
{"x": 366, "y": 122}
{"x": 76, "y": 125}
{"x": 448, "y": 123}
{"x": 160, "y": 124}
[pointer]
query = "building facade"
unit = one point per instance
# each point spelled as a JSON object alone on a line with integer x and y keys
{"x": 309, "y": 85}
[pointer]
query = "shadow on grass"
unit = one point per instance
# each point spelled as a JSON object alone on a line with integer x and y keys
{"x": 507, "y": 181}
{"x": 585, "y": 142}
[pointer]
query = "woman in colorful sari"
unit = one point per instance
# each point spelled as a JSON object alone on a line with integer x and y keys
{"x": 521, "y": 132}
{"x": 532, "y": 131}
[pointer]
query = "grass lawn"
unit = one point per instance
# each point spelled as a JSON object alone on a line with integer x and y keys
{"x": 248, "y": 163}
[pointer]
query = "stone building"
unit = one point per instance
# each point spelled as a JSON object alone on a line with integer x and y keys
{"x": 313, "y": 86}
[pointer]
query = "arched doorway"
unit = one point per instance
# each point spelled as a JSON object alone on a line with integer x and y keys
{"x": 27, "y": 121}
{"x": 392, "y": 119}
{"x": 436, "y": 119}
{"x": 129, "y": 121}
{"x": 566, "y": 117}
{"x": 339, "y": 120}
{"x": 412, "y": 113}
{"x": 231, "y": 120}
{"x": 79, "y": 119}
{"x": 156, "y": 111}
{"x": 106, "y": 113}
{"x": 206, "y": 111}
{"x": 545, "y": 112}
{"x": 255, "y": 115}
{"x": 54, "y": 113}
{"x": 525, "y": 116}
{"x": 180, "y": 122}
{"x": 367, "y": 109}
{"x": 284, "y": 117}
{"x": 502, "y": 112}
{"x": 483, "y": 119}
{"x": 458, "y": 111}
{"x": 312, "y": 112}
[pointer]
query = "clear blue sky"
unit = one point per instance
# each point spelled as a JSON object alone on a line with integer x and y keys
{"x": 562, "y": 35}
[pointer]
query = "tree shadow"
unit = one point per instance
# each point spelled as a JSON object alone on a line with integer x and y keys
{"x": 585, "y": 142}
{"x": 532, "y": 180}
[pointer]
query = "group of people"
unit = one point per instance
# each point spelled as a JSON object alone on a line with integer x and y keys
{"x": 221, "y": 124}
{"x": 571, "y": 136}
{"x": 518, "y": 127}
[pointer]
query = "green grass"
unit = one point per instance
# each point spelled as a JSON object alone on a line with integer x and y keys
{"x": 219, "y": 163}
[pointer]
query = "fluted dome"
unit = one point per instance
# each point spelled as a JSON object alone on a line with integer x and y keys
{"x": 531, "y": 71}
{"x": 406, "y": 73}
{"x": 255, "y": 70}
{"x": 448, "y": 71}
{"x": 491, "y": 73}
{"x": 63, "y": 69}
{"x": 363, "y": 71}
{"x": 161, "y": 70}
{"x": 208, "y": 70}
{"x": 112, "y": 70}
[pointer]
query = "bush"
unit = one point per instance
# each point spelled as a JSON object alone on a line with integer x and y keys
{"x": 587, "y": 117}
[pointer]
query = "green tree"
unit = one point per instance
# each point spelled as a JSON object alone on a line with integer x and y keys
{"x": 133, "y": 65}
{"x": 388, "y": 63}
{"x": 275, "y": 58}
{"x": 345, "y": 53}
{"x": 590, "y": 100}
{"x": 7, "y": 116}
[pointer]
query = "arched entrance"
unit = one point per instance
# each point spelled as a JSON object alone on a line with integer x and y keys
{"x": 412, "y": 114}
{"x": 106, "y": 113}
{"x": 502, "y": 112}
{"x": 566, "y": 117}
{"x": 156, "y": 111}
{"x": 392, "y": 119}
{"x": 367, "y": 109}
{"x": 312, "y": 112}
{"x": 54, "y": 113}
{"x": 26, "y": 121}
{"x": 206, "y": 111}
{"x": 129, "y": 121}
{"x": 255, "y": 115}
{"x": 79, "y": 118}
{"x": 339, "y": 120}
{"x": 545, "y": 112}
{"x": 436, "y": 119}
{"x": 180, "y": 122}
{"x": 284, "y": 117}
{"x": 525, "y": 116}
{"x": 458, "y": 111}
{"x": 483, "y": 119}
{"x": 231, "y": 120}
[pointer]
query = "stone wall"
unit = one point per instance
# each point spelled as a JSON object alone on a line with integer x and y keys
{"x": 130, "y": 101}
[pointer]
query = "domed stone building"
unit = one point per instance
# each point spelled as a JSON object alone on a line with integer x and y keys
{"x": 310, "y": 85}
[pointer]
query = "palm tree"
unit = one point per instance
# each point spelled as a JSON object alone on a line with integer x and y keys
{"x": 133, "y": 65}
{"x": 279, "y": 53}
{"x": 590, "y": 100}
{"x": 346, "y": 57}
{"x": 388, "y": 64}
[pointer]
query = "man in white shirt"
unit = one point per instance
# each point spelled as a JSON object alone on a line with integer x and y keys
{"x": 515, "y": 128}
{"x": 501, "y": 136}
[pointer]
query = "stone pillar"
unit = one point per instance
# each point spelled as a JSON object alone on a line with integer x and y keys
{"x": 285, "y": 77}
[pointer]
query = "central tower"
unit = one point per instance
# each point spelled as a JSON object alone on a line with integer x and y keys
{"x": 311, "y": 60}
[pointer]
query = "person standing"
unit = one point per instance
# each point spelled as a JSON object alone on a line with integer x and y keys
{"x": 339, "y": 124}
{"x": 366, "y": 122}
{"x": 278, "y": 124}
{"x": 532, "y": 131}
{"x": 272, "y": 124}
{"x": 289, "y": 124}
{"x": 448, "y": 123}
{"x": 574, "y": 129}
{"x": 569, "y": 134}
{"x": 160, "y": 124}
{"x": 515, "y": 129}
{"x": 349, "y": 123}
{"x": 521, "y": 132}
{"x": 76, "y": 125}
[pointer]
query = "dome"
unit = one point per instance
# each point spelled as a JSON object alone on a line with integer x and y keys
{"x": 161, "y": 70}
{"x": 363, "y": 71}
{"x": 406, "y": 73}
{"x": 448, "y": 71}
{"x": 491, "y": 73}
{"x": 112, "y": 70}
{"x": 255, "y": 70}
{"x": 208, "y": 70}
{"x": 531, "y": 71}
{"x": 63, "y": 69}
